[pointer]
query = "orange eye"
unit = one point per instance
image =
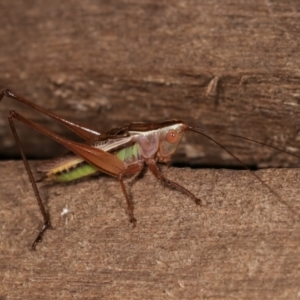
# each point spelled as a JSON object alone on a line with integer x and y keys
{"x": 172, "y": 136}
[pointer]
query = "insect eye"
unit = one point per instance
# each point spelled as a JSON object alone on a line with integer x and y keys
{"x": 172, "y": 136}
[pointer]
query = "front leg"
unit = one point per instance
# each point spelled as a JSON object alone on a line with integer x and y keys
{"x": 158, "y": 174}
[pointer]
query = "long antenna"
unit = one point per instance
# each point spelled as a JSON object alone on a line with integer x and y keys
{"x": 198, "y": 130}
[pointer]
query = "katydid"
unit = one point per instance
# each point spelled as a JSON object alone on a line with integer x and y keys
{"x": 119, "y": 152}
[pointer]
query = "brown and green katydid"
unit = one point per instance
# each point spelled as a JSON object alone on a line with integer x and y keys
{"x": 118, "y": 152}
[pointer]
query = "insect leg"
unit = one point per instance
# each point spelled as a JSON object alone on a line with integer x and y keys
{"x": 87, "y": 133}
{"x": 106, "y": 162}
{"x": 132, "y": 169}
{"x": 158, "y": 174}
{"x": 46, "y": 217}
{"x": 129, "y": 202}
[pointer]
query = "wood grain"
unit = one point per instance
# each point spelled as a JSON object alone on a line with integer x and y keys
{"x": 242, "y": 244}
{"x": 227, "y": 65}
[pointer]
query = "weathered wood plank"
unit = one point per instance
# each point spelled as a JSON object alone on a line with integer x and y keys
{"x": 243, "y": 244}
{"x": 228, "y": 65}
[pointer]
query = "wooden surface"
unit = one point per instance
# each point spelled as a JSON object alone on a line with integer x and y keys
{"x": 229, "y": 65}
{"x": 242, "y": 244}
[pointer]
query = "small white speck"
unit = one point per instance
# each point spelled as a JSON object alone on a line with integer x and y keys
{"x": 292, "y": 103}
{"x": 212, "y": 88}
{"x": 169, "y": 293}
{"x": 292, "y": 149}
{"x": 64, "y": 211}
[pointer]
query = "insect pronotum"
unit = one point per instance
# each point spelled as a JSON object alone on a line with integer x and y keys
{"x": 118, "y": 152}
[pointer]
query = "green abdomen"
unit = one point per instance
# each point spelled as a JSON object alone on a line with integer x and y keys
{"x": 128, "y": 154}
{"x": 81, "y": 170}
{"x": 78, "y": 168}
